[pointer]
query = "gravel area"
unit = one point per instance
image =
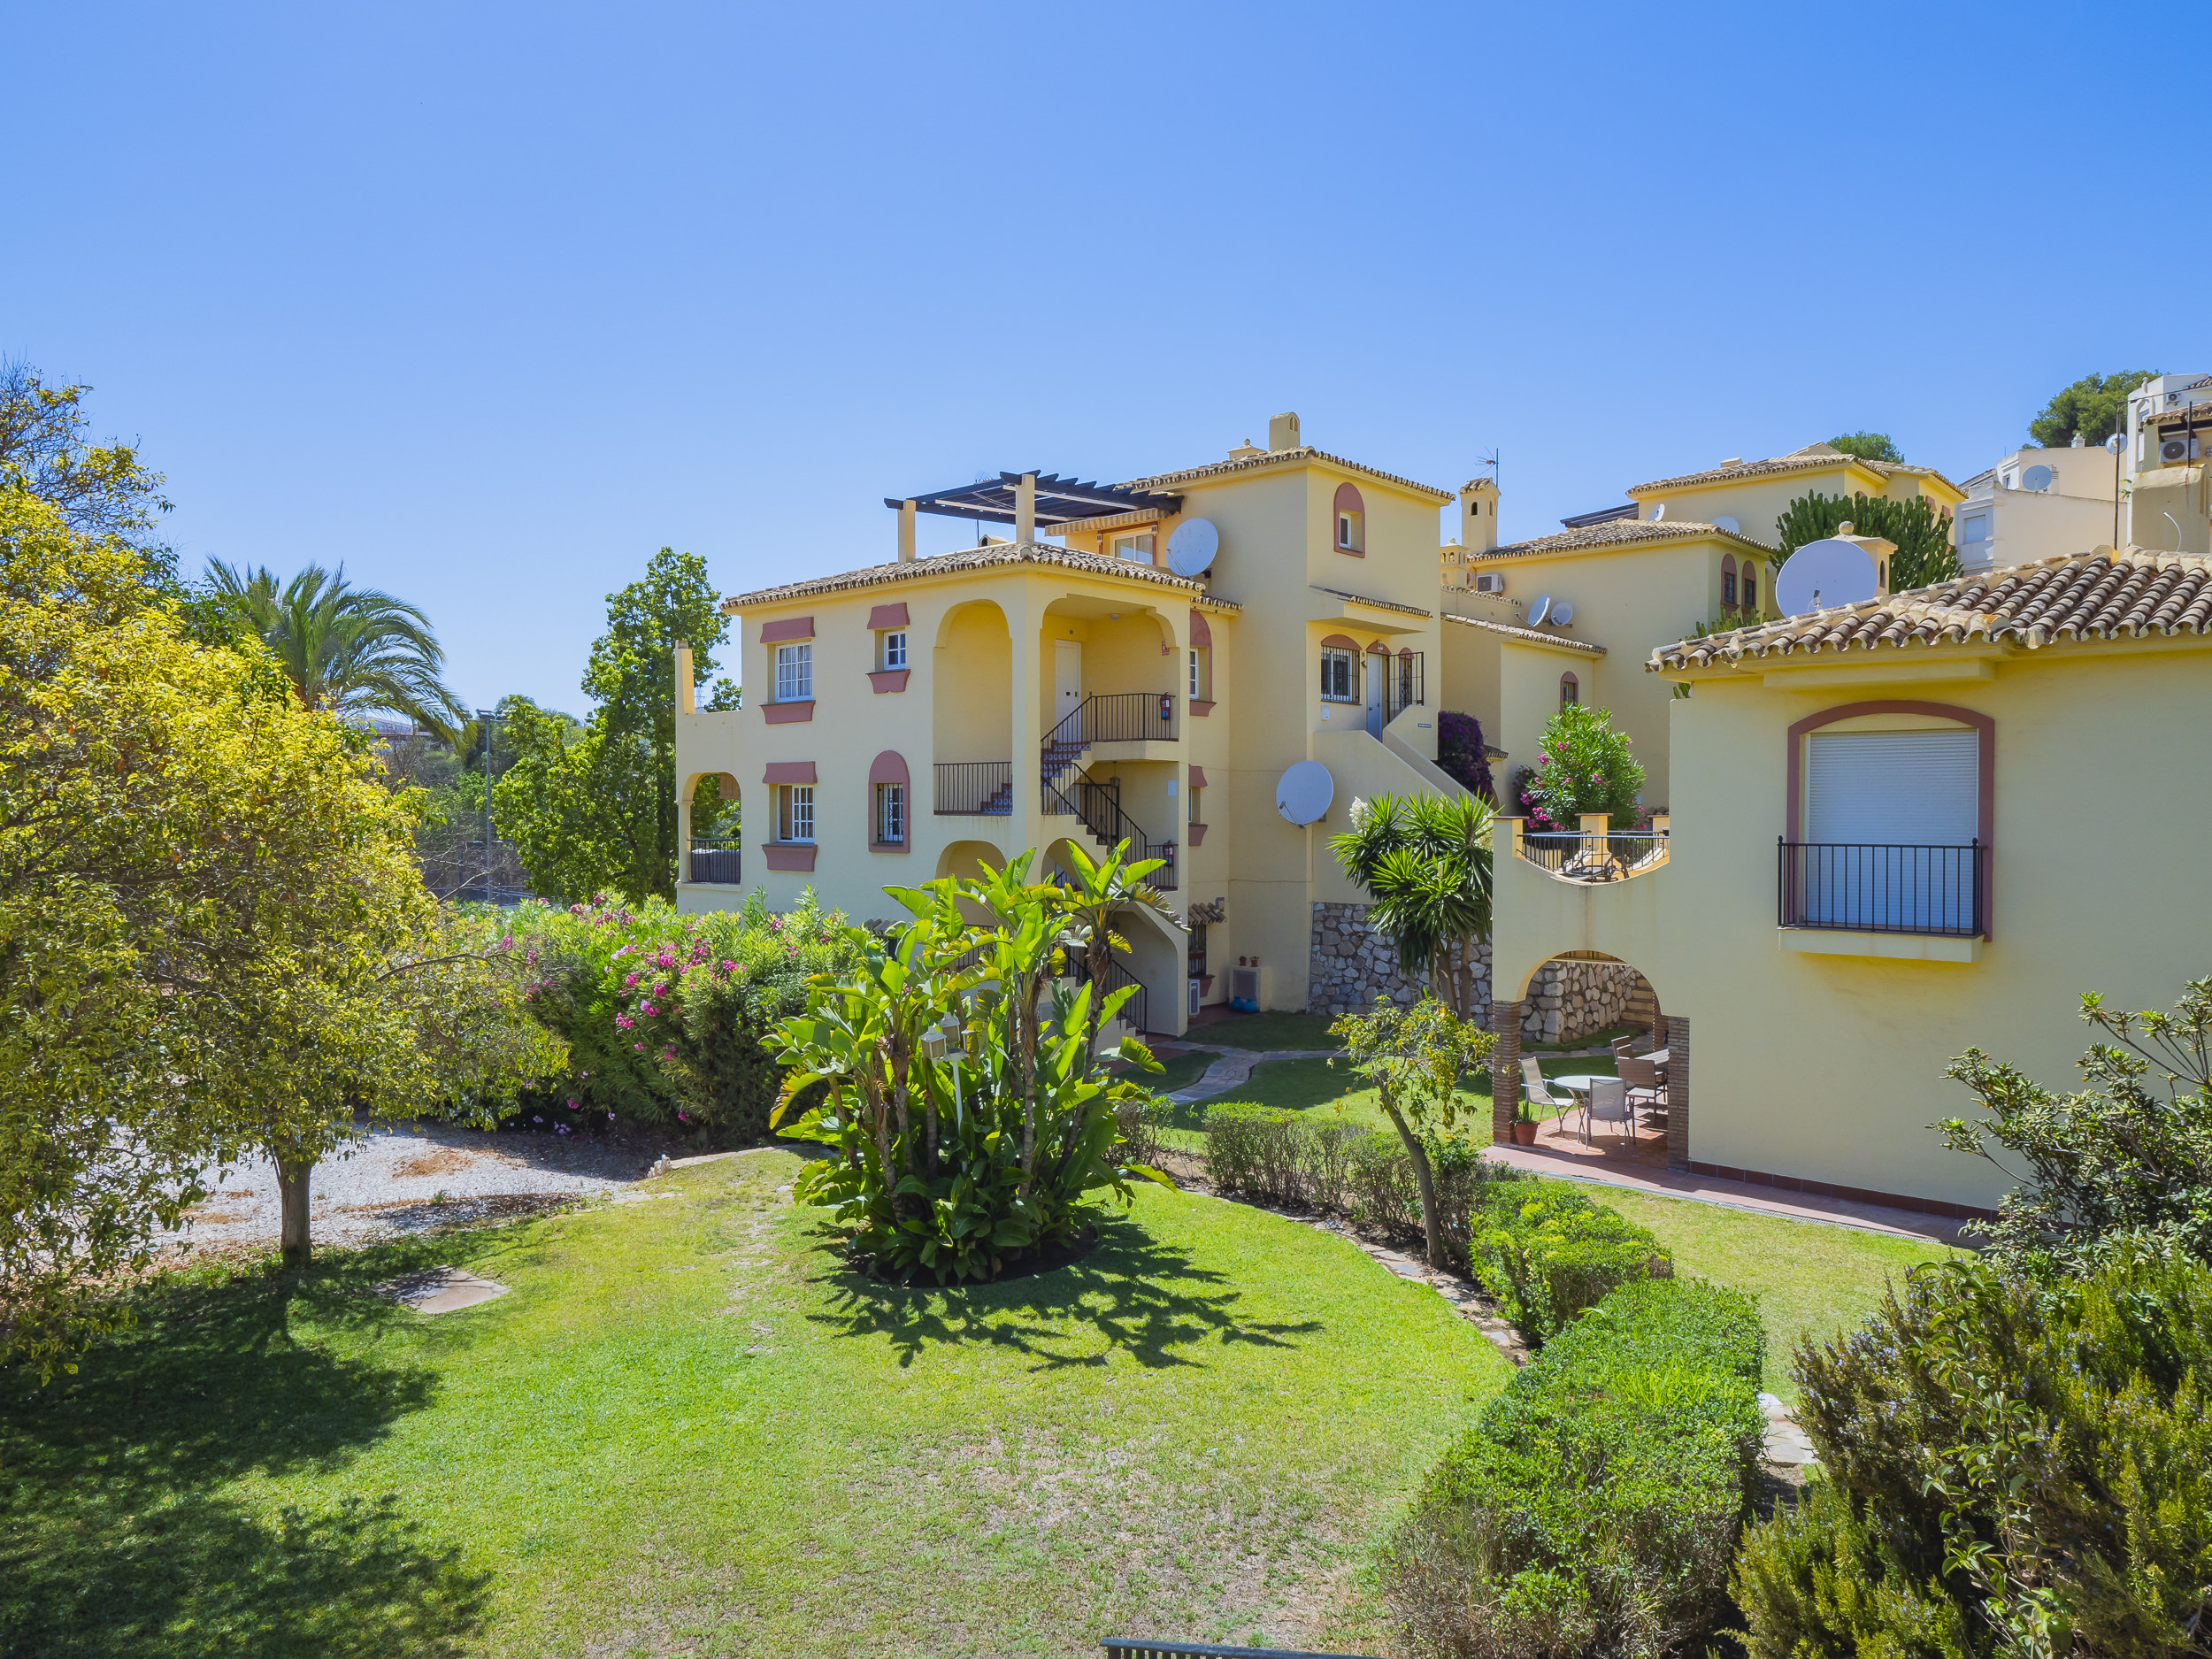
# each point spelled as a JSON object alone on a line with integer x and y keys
{"x": 407, "y": 1178}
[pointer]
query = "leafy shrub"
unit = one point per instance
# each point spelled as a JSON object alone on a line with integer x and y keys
{"x": 1584, "y": 766}
{"x": 664, "y": 1013}
{"x": 1461, "y": 753}
{"x": 1596, "y": 1505}
{"x": 1299, "y": 1160}
{"x": 1925, "y": 555}
{"x": 1545, "y": 1252}
{"x": 2016, "y": 1466}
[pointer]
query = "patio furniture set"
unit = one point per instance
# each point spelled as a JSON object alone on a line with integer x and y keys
{"x": 1638, "y": 1085}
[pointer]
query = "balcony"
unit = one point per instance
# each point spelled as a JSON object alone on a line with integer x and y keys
{"x": 974, "y": 789}
{"x": 717, "y": 860}
{"x": 1593, "y": 855}
{"x": 1937, "y": 892}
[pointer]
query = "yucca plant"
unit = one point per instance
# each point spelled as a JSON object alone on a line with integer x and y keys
{"x": 953, "y": 1075}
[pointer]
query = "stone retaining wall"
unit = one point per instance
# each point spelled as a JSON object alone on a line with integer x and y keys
{"x": 1349, "y": 964}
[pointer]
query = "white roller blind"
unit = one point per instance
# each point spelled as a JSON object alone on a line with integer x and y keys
{"x": 1911, "y": 789}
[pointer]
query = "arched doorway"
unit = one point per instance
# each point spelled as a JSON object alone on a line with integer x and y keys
{"x": 1586, "y": 1006}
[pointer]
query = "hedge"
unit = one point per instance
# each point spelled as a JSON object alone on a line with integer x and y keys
{"x": 1545, "y": 1251}
{"x": 1596, "y": 1505}
{"x": 1277, "y": 1156}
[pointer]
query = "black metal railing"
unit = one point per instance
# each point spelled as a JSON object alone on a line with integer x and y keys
{"x": 1402, "y": 687}
{"x": 1099, "y": 806}
{"x": 1874, "y": 889}
{"x": 974, "y": 789}
{"x": 716, "y": 859}
{"x": 1607, "y": 857}
{"x": 1145, "y": 1647}
{"x": 1137, "y": 1009}
{"x": 1120, "y": 717}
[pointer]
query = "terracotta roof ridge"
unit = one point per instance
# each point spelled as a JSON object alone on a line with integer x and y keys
{"x": 1517, "y": 631}
{"x": 1362, "y": 599}
{"x": 995, "y": 554}
{"x": 1281, "y": 457}
{"x": 1621, "y": 533}
{"x": 1797, "y": 461}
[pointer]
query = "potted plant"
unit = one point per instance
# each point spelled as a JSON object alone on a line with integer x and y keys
{"x": 1525, "y": 1118}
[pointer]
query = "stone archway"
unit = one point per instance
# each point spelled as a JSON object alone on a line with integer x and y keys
{"x": 1573, "y": 993}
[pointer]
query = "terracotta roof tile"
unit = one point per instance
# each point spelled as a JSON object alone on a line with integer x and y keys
{"x": 1812, "y": 458}
{"x": 1281, "y": 457}
{"x": 1536, "y": 635}
{"x": 998, "y": 554}
{"x": 1617, "y": 533}
{"x": 1380, "y": 604}
{"x": 2095, "y": 595}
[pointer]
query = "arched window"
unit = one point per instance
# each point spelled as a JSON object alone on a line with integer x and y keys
{"x": 1351, "y": 522}
{"x": 888, "y": 802}
{"x": 1570, "y": 691}
{"x": 1728, "y": 579}
{"x": 1750, "y": 587}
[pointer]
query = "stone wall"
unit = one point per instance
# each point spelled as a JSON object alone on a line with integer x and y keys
{"x": 1349, "y": 964}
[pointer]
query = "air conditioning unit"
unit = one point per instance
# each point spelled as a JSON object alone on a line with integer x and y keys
{"x": 1195, "y": 987}
{"x": 1247, "y": 989}
{"x": 2175, "y": 449}
{"x": 1490, "y": 582}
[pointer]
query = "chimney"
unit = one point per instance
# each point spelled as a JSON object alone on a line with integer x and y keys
{"x": 906, "y": 533}
{"x": 1282, "y": 433}
{"x": 684, "y": 693}
{"x": 1026, "y": 510}
{"x": 1478, "y": 515}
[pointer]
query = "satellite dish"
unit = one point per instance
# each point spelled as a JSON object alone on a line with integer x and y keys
{"x": 1191, "y": 549}
{"x": 1659, "y": 512}
{"x": 1825, "y": 573}
{"x": 1563, "y": 612}
{"x": 1537, "y": 611}
{"x": 2036, "y": 477}
{"x": 1304, "y": 793}
{"x": 1728, "y": 521}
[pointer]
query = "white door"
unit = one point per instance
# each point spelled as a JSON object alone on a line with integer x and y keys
{"x": 1377, "y": 668}
{"x": 1067, "y": 684}
{"x": 1890, "y": 818}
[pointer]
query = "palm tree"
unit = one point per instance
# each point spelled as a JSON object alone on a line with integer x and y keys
{"x": 1096, "y": 893}
{"x": 347, "y": 650}
{"x": 1426, "y": 860}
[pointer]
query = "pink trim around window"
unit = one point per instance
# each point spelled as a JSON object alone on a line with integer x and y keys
{"x": 788, "y": 713}
{"x": 888, "y": 678}
{"x": 889, "y": 616}
{"x": 1197, "y": 834}
{"x": 1201, "y": 637}
{"x": 1985, "y": 793}
{"x": 889, "y": 768}
{"x": 789, "y": 771}
{"x": 789, "y": 628}
{"x": 788, "y": 855}
{"x": 1347, "y": 500}
{"x": 1200, "y": 707}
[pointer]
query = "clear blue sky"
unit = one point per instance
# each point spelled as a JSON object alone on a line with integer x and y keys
{"x": 488, "y": 302}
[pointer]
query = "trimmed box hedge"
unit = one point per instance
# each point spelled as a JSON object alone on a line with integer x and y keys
{"x": 1596, "y": 1505}
{"x": 1545, "y": 1251}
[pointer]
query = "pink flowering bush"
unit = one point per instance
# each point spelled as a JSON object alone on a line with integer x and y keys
{"x": 664, "y": 1012}
{"x": 1584, "y": 766}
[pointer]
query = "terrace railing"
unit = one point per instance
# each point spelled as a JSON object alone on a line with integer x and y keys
{"x": 1595, "y": 857}
{"x": 1099, "y": 806}
{"x": 974, "y": 789}
{"x": 1873, "y": 888}
{"x": 1120, "y": 717}
{"x": 716, "y": 859}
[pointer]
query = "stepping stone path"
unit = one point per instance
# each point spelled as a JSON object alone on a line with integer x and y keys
{"x": 1787, "y": 1445}
{"x": 440, "y": 1290}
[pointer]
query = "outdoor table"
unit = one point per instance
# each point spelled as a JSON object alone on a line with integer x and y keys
{"x": 1578, "y": 1084}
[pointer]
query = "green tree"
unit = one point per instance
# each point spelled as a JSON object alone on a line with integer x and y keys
{"x": 98, "y": 489}
{"x": 595, "y": 809}
{"x": 2094, "y": 407}
{"x": 1869, "y": 446}
{"x": 1096, "y": 894}
{"x": 1584, "y": 766}
{"x": 1925, "y": 555}
{"x": 349, "y": 649}
{"x": 1426, "y": 860}
{"x": 1415, "y": 1057}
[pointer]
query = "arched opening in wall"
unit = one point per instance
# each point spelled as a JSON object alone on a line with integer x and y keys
{"x": 972, "y": 714}
{"x": 1570, "y": 691}
{"x": 712, "y": 825}
{"x": 1588, "y": 1066}
{"x": 1728, "y": 580}
{"x": 967, "y": 860}
{"x": 1150, "y": 959}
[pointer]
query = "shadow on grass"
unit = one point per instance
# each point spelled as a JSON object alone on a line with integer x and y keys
{"x": 1148, "y": 1299}
{"x": 117, "y": 1535}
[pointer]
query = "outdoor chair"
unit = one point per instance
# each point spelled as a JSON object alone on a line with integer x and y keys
{"x": 1644, "y": 1087}
{"x": 1532, "y": 1085}
{"x": 1608, "y": 1104}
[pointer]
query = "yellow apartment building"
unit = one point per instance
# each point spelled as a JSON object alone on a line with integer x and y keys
{"x": 1899, "y": 829}
{"x": 1144, "y": 660}
{"x": 1571, "y": 617}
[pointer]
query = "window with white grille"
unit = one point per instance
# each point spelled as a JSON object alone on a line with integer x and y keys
{"x": 795, "y": 672}
{"x": 891, "y": 815}
{"x": 1338, "y": 681}
{"x": 894, "y": 649}
{"x": 794, "y": 812}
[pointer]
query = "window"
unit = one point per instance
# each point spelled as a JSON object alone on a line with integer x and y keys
{"x": 1198, "y": 950}
{"x": 1196, "y": 815}
{"x": 1570, "y": 691}
{"x": 794, "y": 812}
{"x": 1891, "y": 820}
{"x": 1351, "y": 515}
{"x": 890, "y": 815}
{"x": 795, "y": 673}
{"x": 1337, "y": 679}
{"x": 1974, "y": 527}
{"x": 1348, "y": 532}
{"x": 1133, "y": 547}
{"x": 894, "y": 649}
{"x": 1728, "y": 580}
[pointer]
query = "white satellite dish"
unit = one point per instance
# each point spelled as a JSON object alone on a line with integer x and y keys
{"x": 1563, "y": 612}
{"x": 1659, "y": 512}
{"x": 1304, "y": 793}
{"x": 1728, "y": 521}
{"x": 2036, "y": 477}
{"x": 1825, "y": 573}
{"x": 1537, "y": 611}
{"x": 1191, "y": 549}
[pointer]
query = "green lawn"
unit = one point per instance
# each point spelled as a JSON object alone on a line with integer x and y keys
{"x": 1266, "y": 1030}
{"x": 688, "y": 1429}
{"x": 1177, "y": 1070}
{"x": 1810, "y": 1280}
